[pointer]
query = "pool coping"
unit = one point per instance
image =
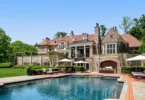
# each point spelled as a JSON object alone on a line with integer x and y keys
{"x": 32, "y": 79}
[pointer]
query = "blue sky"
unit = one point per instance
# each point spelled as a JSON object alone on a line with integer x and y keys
{"x": 32, "y": 20}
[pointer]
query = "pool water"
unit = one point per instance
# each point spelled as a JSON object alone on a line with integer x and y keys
{"x": 64, "y": 88}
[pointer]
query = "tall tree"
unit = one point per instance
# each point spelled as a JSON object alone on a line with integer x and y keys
{"x": 59, "y": 34}
{"x": 4, "y": 46}
{"x": 47, "y": 38}
{"x": 138, "y": 30}
{"x": 22, "y": 49}
{"x": 142, "y": 47}
{"x": 126, "y": 24}
{"x": 54, "y": 56}
{"x": 103, "y": 30}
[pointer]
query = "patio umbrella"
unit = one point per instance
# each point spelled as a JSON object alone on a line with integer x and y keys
{"x": 78, "y": 62}
{"x": 137, "y": 58}
{"x": 64, "y": 60}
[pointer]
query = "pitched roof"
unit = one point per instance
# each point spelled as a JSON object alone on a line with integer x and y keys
{"x": 132, "y": 41}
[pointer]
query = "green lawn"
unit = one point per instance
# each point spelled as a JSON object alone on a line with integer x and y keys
{"x": 10, "y": 72}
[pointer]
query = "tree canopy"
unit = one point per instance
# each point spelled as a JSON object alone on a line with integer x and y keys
{"x": 21, "y": 49}
{"x": 103, "y": 30}
{"x": 126, "y": 24}
{"x": 4, "y": 46}
{"x": 47, "y": 38}
{"x": 59, "y": 34}
{"x": 53, "y": 57}
{"x": 138, "y": 30}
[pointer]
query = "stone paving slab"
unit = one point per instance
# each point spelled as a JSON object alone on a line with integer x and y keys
{"x": 138, "y": 90}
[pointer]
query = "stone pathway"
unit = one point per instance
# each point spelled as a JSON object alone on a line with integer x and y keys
{"x": 138, "y": 90}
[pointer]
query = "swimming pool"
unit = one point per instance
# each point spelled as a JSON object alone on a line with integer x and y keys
{"x": 64, "y": 88}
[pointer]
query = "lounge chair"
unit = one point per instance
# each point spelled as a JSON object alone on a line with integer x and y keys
{"x": 62, "y": 70}
{"x": 47, "y": 72}
{"x": 138, "y": 74}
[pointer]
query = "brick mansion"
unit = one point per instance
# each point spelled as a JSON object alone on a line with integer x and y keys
{"x": 100, "y": 51}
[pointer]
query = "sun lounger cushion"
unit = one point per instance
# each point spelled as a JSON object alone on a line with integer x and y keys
{"x": 138, "y": 74}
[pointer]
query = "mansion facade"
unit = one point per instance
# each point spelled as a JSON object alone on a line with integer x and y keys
{"x": 110, "y": 50}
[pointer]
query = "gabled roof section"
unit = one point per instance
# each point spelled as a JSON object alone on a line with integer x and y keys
{"x": 133, "y": 42}
{"x": 115, "y": 36}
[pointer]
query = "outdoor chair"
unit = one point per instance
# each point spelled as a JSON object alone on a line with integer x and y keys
{"x": 47, "y": 72}
{"x": 138, "y": 74}
{"x": 62, "y": 70}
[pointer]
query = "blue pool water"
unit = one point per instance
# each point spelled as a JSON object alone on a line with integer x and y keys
{"x": 65, "y": 88}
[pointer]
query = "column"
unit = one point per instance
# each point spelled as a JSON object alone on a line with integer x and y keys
{"x": 75, "y": 52}
{"x": 91, "y": 51}
{"x": 85, "y": 51}
{"x": 116, "y": 48}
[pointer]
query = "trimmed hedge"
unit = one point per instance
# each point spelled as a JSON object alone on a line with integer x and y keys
{"x": 129, "y": 69}
{"x": 74, "y": 68}
{"x": 5, "y": 65}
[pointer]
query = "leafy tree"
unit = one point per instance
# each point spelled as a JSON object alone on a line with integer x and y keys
{"x": 22, "y": 49}
{"x": 142, "y": 47}
{"x": 4, "y": 46}
{"x": 103, "y": 29}
{"x": 54, "y": 56}
{"x": 138, "y": 30}
{"x": 126, "y": 24}
{"x": 35, "y": 45}
{"x": 58, "y": 34}
{"x": 47, "y": 38}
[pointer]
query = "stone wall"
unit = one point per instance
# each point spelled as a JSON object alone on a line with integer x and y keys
{"x": 42, "y": 59}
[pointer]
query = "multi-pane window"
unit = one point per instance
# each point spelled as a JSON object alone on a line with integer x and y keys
{"x": 62, "y": 46}
{"x": 41, "y": 47}
{"x": 110, "y": 48}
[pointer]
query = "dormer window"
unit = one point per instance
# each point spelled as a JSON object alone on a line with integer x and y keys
{"x": 111, "y": 36}
{"x": 85, "y": 36}
{"x": 73, "y": 39}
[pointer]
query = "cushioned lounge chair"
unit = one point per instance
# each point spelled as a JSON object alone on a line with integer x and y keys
{"x": 47, "y": 72}
{"x": 138, "y": 74}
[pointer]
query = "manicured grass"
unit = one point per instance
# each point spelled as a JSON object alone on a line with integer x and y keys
{"x": 10, "y": 72}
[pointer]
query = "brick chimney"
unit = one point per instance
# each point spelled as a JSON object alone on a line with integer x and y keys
{"x": 72, "y": 34}
{"x": 97, "y": 38}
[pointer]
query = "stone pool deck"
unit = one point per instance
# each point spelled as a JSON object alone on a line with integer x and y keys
{"x": 136, "y": 87}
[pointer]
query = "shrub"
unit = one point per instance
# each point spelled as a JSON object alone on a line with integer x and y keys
{"x": 37, "y": 64}
{"x": 29, "y": 70}
{"x": 26, "y": 63}
{"x": 74, "y": 68}
{"x": 39, "y": 67}
{"x": 78, "y": 68}
{"x": 5, "y": 65}
{"x": 129, "y": 69}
